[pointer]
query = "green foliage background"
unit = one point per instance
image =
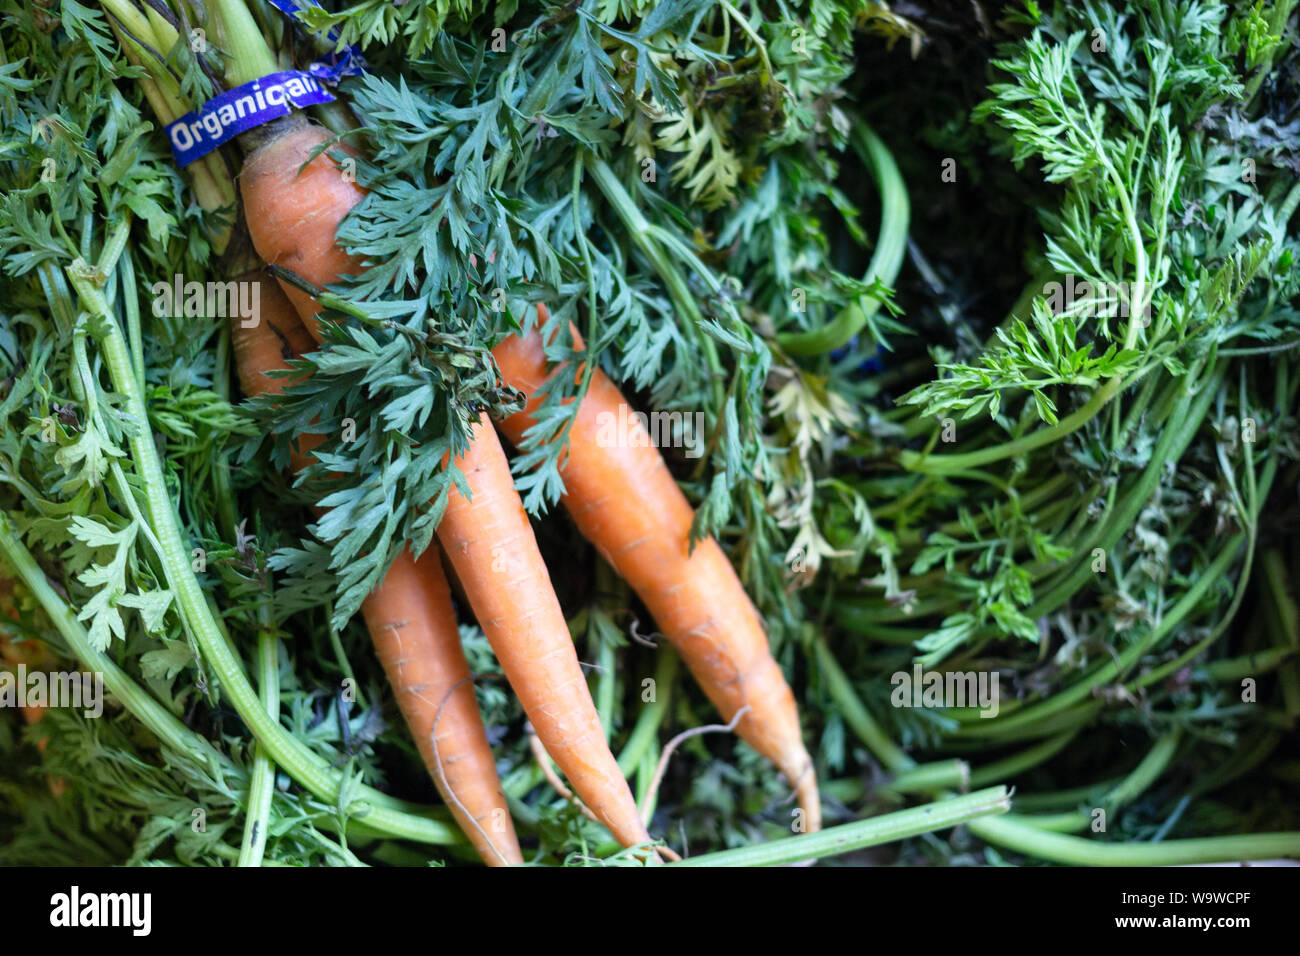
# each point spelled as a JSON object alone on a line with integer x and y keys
{"x": 688, "y": 183}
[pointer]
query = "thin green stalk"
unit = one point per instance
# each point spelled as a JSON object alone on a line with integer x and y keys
{"x": 1010, "y": 767}
{"x": 1013, "y": 833}
{"x": 1055, "y": 799}
{"x": 1059, "y": 722}
{"x": 1247, "y": 665}
{"x": 646, "y": 800}
{"x": 1068, "y": 822}
{"x": 944, "y": 464}
{"x": 891, "y": 247}
{"x": 261, "y": 787}
{"x": 846, "y": 791}
{"x": 1248, "y": 754}
{"x": 336, "y": 645}
{"x": 1284, "y": 606}
{"x": 1138, "y": 781}
{"x": 646, "y": 238}
{"x": 1173, "y": 442}
{"x": 751, "y": 33}
{"x": 951, "y": 774}
{"x": 1110, "y": 669}
{"x": 131, "y": 304}
{"x": 221, "y": 487}
{"x": 1159, "y": 673}
{"x": 1146, "y": 773}
{"x": 646, "y": 729}
{"x": 846, "y": 838}
{"x": 606, "y": 685}
{"x": 856, "y": 715}
{"x": 160, "y": 721}
{"x": 250, "y": 57}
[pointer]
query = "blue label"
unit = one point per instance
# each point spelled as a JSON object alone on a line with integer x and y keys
{"x": 332, "y": 66}
{"x": 220, "y": 120}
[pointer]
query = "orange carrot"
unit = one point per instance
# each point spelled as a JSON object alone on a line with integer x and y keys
{"x": 292, "y": 216}
{"x": 276, "y": 336}
{"x": 413, "y": 626}
{"x": 292, "y": 219}
{"x": 492, "y": 547}
{"x": 624, "y": 500}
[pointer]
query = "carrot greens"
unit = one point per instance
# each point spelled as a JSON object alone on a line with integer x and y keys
{"x": 967, "y": 335}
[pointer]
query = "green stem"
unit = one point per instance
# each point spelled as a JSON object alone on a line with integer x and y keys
{"x": 1157, "y": 674}
{"x": 1068, "y": 822}
{"x": 345, "y": 665}
{"x": 646, "y": 729}
{"x": 160, "y": 721}
{"x": 1173, "y": 442}
{"x": 250, "y": 57}
{"x": 261, "y": 787}
{"x": 929, "y": 777}
{"x": 606, "y": 685}
{"x": 645, "y": 799}
{"x": 1035, "y": 714}
{"x": 1010, "y": 767}
{"x": 1012, "y": 832}
{"x": 944, "y": 464}
{"x": 1056, "y": 799}
{"x": 1247, "y": 665}
{"x": 131, "y": 303}
{"x": 848, "y": 837}
{"x": 891, "y": 247}
{"x": 221, "y": 489}
{"x": 749, "y": 32}
{"x": 856, "y": 715}
{"x": 1146, "y": 773}
{"x": 645, "y": 236}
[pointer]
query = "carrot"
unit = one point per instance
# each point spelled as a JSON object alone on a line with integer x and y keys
{"x": 413, "y": 627}
{"x": 624, "y": 501}
{"x": 276, "y": 336}
{"x": 296, "y": 218}
{"x": 491, "y": 545}
{"x": 292, "y": 216}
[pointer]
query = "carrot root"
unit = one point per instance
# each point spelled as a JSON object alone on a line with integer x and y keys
{"x": 491, "y": 545}
{"x": 292, "y": 216}
{"x": 413, "y": 627}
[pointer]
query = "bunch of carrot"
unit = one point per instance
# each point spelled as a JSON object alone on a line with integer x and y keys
{"x": 487, "y": 537}
{"x": 622, "y": 499}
